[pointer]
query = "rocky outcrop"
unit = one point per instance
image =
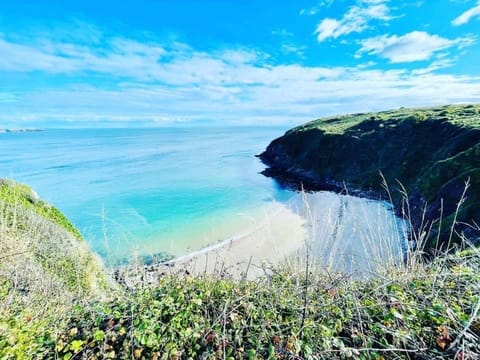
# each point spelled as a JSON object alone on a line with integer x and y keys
{"x": 426, "y": 156}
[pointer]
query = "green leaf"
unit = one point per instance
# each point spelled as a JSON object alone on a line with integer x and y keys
{"x": 98, "y": 335}
{"x": 76, "y": 345}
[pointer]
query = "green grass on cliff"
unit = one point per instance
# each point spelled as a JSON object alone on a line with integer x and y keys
{"x": 432, "y": 152}
{"x": 13, "y": 193}
{"x": 35, "y": 231}
{"x": 44, "y": 270}
{"x": 458, "y": 115}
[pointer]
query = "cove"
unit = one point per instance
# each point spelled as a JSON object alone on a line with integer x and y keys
{"x": 176, "y": 191}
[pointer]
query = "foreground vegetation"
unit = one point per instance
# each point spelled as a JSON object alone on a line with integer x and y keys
{"x": 45, "y": 267}
{"x": 430, "y": 313}
{"x": 427, "y": 153}
{"x": 56, "y": 303}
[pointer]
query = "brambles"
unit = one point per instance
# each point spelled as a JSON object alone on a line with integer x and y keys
{"x": 405, "y": 314}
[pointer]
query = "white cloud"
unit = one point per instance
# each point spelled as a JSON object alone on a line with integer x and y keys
{"x": 288, "y": 44}
{"x": 414, "y": 46}
{"x": 158, "y": 83}
{"x": 123, "y": 57}
{"x": 239, "y": 57}
{"x": 329, "y": 28}
{"x": 468, "y": 15}
{"x": 291, "y": 48}
{"x": 317, "y": 8}
{"x": 288, "y": 95}
{"x": 357, "y": 19}
{"x": 17, "y": 57}
{"x": 440, "y": 63}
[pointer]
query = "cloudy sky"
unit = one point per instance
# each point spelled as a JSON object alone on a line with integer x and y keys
{"x": 241, "y": 62}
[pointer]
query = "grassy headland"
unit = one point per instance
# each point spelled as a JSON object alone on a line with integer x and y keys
{"x": 426, "y": 156}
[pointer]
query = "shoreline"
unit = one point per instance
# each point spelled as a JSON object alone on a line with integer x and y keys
{"x": 280, "y": 233}
{"x": 356, "y": 236}
{"x": 275, "y": 208}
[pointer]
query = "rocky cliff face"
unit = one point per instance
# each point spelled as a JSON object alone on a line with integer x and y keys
{"x": 425, "y": 155}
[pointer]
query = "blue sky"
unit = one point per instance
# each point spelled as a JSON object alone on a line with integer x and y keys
{"x": 155, "y": 63}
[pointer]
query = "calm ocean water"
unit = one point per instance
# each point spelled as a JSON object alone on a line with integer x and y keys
{"x": 130, "y": 191}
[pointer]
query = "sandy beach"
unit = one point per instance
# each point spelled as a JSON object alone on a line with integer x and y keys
{"x": 280, "y": 233}
{"x": 344, "y": 233}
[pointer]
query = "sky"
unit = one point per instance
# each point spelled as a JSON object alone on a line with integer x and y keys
{"x": 241, "y": 62}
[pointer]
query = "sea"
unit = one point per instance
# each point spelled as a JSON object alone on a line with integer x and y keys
{"x": 137, "y": 191}
{"x": 142, "y": 192}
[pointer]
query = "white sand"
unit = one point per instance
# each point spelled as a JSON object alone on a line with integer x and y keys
{"x": 280, "y": 233}
{"x": 343, "y": 233}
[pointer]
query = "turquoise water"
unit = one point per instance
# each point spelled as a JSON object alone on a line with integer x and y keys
{"x": 135, "y": 191}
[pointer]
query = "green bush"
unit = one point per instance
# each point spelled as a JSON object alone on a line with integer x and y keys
{"x": 421, "y": 314}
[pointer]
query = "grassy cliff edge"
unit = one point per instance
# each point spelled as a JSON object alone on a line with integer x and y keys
{"x": 45, "y": 267}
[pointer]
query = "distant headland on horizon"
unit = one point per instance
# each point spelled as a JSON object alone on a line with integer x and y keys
{"x": 20, "y": 130}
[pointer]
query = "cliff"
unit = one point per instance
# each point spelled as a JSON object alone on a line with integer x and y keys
{"x": 45, "y": 267}
{"x": 426, "y": 156}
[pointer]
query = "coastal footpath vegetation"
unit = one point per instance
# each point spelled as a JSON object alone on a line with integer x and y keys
{"x": 425, "y": 156}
